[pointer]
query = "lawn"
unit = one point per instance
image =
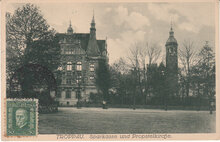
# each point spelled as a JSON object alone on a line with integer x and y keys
{"x": 115, "y": 120}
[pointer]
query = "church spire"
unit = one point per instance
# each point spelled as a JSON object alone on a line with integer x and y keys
{"x": 171, "y": 39}
{"x": 70, "y": 29}
{"x": 171, "y": 29}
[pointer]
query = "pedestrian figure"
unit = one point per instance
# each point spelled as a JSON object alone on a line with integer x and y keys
{"x": 104, "y": 104}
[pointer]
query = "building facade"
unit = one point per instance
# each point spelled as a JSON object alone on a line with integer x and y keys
{"x": 80, "y": 53}
{"x": 172, "y": 63}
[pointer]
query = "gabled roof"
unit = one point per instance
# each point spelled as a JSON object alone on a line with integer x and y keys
{"x": 84, "y": 40}
{"x": 83, "y": 37}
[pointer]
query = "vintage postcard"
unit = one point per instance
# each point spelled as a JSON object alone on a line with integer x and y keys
{"x": 92, "y": 70}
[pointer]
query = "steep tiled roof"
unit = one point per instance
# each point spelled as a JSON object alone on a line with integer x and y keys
{"x": 101, "y": 44}
{"x": 84, "y": 39}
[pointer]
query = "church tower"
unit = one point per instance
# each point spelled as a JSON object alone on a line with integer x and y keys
{"x": 172, "y": 63}
{"x": 93, "y": 49}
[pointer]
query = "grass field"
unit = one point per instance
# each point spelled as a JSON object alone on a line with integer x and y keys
{"x": 115, "y": 120}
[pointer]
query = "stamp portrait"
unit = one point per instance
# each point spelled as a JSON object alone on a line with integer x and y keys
{"x": 22, "y": 117}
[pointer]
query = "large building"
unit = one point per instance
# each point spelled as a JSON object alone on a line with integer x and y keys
{"x": 80, "y": 53}
{"x": 172, "y": 63}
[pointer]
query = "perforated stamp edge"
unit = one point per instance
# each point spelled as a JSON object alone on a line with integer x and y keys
{"x": 36, "y": 115}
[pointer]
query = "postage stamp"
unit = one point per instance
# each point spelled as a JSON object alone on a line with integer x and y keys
{"x": 22, "y": 117}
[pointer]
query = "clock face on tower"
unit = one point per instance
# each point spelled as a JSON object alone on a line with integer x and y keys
{"x": 171, "y": 51}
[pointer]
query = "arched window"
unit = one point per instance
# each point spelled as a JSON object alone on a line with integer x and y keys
{"x": 92, "y": 67}
{"x": 79, "y": 66}
{"x": 69, "y": 66}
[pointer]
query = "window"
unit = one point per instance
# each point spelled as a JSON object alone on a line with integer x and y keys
{"x": 59, "y": 94}
{"x": 91, "y": 77}
{"x": 69, "y": 66}
{"x": 79, "y": 78}
{"x": 68, "y": 81}
{"x": 92, "y": 67}
{"x": 68, "y": 94}
{"x": 79, "y": 66}
{"x": 72, "y": 51}
{"x": 68, "y": 51}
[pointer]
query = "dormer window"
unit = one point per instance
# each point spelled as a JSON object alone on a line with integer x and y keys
{"x": 60, "y": 68}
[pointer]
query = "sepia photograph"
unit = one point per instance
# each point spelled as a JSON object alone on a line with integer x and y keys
{"x": 109, "y": 70}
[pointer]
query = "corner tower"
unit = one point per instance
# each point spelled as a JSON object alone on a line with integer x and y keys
{"x": 93, "y": 49}
{"x": 172, "y": 63}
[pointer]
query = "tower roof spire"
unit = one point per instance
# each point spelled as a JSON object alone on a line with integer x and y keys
{"x": 171, "y": 25}
{"x": 93, "y": 21}
{"x": 171, "y": 29}
{"x": 171, "y": 38}
{"x": 70, "y": 29}
{"x": 93, "y": 49}
{"x": 93, "y": 17}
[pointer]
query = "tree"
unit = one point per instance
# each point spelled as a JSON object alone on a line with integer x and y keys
{"x": 103, "y": 78}
{"x": 153, "y": 53}
{"x": 120, "y": 66}
{"x": 30, "y": 42}
{"x": 134, "y": 58}
{"x": 122, "y": 82}
{"x": 162, "y": 85}
{"x": 207, "y": 65}
{"x": 26, "y": 33}
{"x": 138, "y": 55}
{"x": 187, "y": 59}
{"x": 45, "y": 52}
{"x": 203, "y": 73}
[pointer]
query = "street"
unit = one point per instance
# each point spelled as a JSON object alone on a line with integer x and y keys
{"x": 69, "y": 120}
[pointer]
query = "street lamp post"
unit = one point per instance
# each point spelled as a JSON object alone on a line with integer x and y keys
{"x": 78, "y": 93}
{"x": 211, "y": 105}
{"x": 134, "y": 99}
{"x": 165, "y": 97}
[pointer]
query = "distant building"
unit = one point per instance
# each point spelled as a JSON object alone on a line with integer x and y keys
{"x": 80, "y": 53}
{"x": 172, "y": 63}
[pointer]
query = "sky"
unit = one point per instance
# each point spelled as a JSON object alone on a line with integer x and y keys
{"x": 124, "y": 24}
